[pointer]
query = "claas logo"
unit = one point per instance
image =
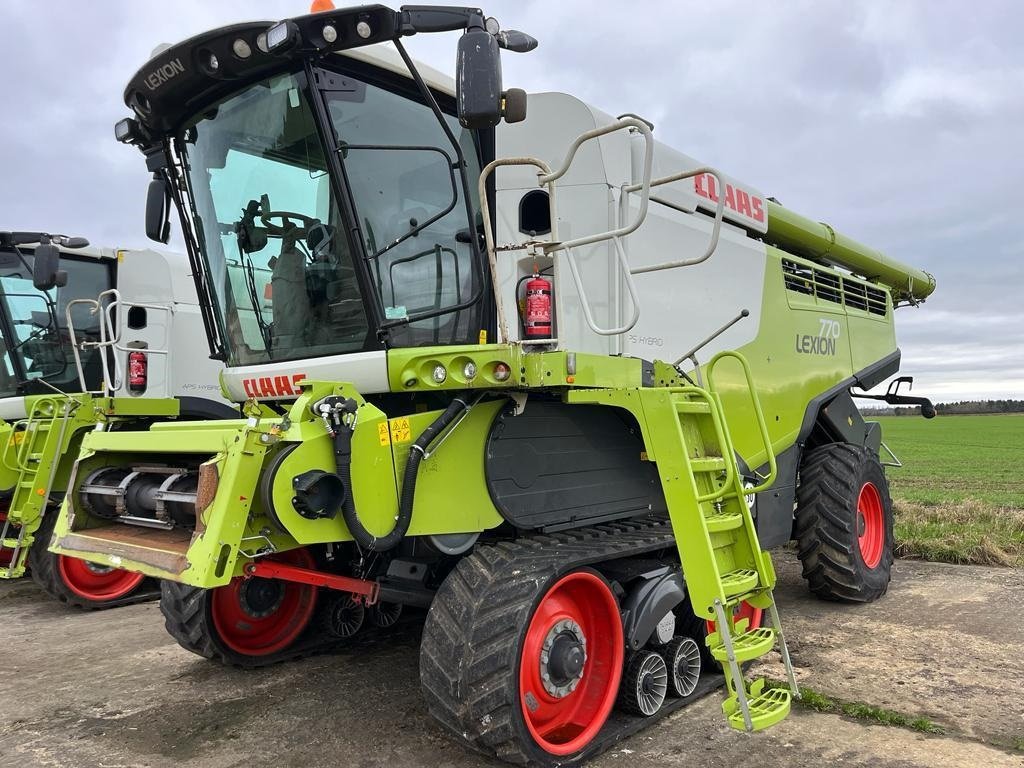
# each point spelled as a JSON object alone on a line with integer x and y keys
{"x": 274, "y": 386}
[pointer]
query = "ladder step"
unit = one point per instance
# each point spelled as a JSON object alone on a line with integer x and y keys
{"x": 707, "y": 464}
{"x": 738, "y": 582}
{"x": 9, "y": 543}
{"x": 746, "y": 647}
{"x": 766, "y": 709}
{"x": 723, "y": 521}
{"x": 692, "y": 406}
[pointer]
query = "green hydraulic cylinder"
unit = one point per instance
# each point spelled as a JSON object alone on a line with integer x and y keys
{"x": 815, "y": 240}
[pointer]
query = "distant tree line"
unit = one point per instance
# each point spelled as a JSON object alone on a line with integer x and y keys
{"x": 962, "y": 406}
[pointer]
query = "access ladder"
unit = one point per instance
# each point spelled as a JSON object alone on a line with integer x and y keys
{"x": 33, "y": 451}
{"x": 722, "y": 560}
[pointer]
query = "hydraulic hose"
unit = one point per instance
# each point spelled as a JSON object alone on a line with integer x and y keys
{"x": 343, "y": 465}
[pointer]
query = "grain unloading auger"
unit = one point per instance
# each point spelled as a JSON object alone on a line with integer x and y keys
{"x": 84, "y": 333}
{"x": 466, "y": 330}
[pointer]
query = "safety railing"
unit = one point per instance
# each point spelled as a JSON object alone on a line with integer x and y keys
{"x": 762, "y": 426}
{"x": 624, "y": 226}
{"x": 111, "y": 337}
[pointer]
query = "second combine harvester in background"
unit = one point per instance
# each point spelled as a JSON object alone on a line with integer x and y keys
{"x": 526, "y": 374}
{"x": 86, "y": 333}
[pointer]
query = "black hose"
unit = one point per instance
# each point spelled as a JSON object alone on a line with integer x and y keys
{"x": 343, "y": 464}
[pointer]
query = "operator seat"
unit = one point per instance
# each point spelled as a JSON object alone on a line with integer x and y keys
{"x": 291, "y": 309}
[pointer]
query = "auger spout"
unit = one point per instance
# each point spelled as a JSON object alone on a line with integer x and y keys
{"x": 804, "y": 237}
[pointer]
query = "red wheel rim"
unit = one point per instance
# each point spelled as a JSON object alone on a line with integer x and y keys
{"x": 258, "y": 617}
{"x": 565, "y": 721}
{"x": 870, "y": 525}
{"x": 96, "y": 583}
{"x": 744, "y": 611}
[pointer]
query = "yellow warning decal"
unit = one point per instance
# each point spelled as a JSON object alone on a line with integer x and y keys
{"x": 401, "y": 432}
{"x": 18, "y": 438}
{"x": 383, "y": 433}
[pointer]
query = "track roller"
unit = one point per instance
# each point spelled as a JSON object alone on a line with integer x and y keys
{"x": 644, "y": 684}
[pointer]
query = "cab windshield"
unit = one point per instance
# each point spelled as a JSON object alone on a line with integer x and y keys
{"x": 35, "y": 341}
{"x": 297, "y": 272}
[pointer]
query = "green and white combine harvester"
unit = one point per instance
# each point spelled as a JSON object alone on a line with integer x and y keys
{"x": 78, "y": 357}
{"x": 528, "y": 372}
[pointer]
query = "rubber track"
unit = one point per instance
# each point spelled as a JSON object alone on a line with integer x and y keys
{"x": 468, "y": 656}
{"x": 824, "y": 527}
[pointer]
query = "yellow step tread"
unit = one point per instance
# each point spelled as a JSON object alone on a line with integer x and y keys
{"x": 707, "y": 464}
{"x": 723, "y": 521}
{"x": 766, "y": 709}
{"x": 692, "y": 406}
{"x": 739, "y": 581}
{"x": 746, "y": 647}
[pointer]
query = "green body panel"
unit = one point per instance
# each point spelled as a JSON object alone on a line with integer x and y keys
{"x": 8, "y": 463}
{"x": 38, "y": 459}
{"x": 409, "y": 370}
{"x": 788, "y": 374}
{"x": 235, "y": 525}
{"x": 804, "y": 237}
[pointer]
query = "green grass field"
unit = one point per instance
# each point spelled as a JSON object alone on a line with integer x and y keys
{"x": 960, "y": 496}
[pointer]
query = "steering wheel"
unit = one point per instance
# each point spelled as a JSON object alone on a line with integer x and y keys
{"x": 287, "y": 225}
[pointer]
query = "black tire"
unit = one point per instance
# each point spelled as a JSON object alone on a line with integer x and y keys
{"x": 43, "y": 566}
{"x": 471, "y": 647}
{"x": 645, "y": 684}
{"x": 693, "y": 626}
{"x": 684, "y": 662}
{"x": 188, "y": 618}
{"x": 832, "y": 479}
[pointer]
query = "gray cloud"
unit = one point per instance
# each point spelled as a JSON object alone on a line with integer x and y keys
{"x": 897, "y": 123}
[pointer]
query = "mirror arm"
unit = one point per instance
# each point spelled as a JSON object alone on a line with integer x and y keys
{"x": 431, "y": 18}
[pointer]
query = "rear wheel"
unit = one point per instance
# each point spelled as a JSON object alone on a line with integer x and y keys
{"x": 246, "y": 623}
{"x": 844, "y": 524}
{"x": 523, "y": 664}
{"x": 77, "y": 582}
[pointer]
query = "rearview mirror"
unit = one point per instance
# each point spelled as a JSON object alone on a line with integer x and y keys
{"x": 45, "y": 269}
{"x": 478, "y": 79}
{"x": 158, "y": 210}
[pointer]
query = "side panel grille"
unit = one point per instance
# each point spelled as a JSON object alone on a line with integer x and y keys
{"x": 832, "y": 287}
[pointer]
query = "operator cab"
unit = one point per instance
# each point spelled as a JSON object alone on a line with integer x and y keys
{"x": 329, "y": 204}
{"x": 34, "y": 335}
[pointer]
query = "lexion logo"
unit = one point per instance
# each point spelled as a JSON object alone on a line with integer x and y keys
{"x": 163, "y": 73}
{"x": 822, "y": 344}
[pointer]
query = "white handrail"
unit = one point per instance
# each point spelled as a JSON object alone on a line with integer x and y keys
{"x": 110, "y": 336}
{"x": 715, "y": 231}
{"x": 485, "y": 212}
{"x": 547, "y": 178}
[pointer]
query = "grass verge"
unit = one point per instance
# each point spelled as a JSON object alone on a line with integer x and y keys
{"x": 961, "y": 532}
{"x": 819, "y": 702}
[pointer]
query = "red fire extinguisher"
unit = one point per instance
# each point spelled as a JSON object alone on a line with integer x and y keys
{"x": 539, "y": 309}
{"x": 137, "y": 373}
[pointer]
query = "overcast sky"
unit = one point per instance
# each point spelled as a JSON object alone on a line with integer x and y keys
{"x": 898, "y": 123}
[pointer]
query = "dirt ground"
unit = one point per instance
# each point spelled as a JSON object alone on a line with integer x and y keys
{"x": 112, "y": 690}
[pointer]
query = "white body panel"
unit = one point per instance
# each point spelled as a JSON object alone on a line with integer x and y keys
{"x": 368, "y": 371}
{"x": 165, "y": 280}
{"x": 678, "y": 307}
